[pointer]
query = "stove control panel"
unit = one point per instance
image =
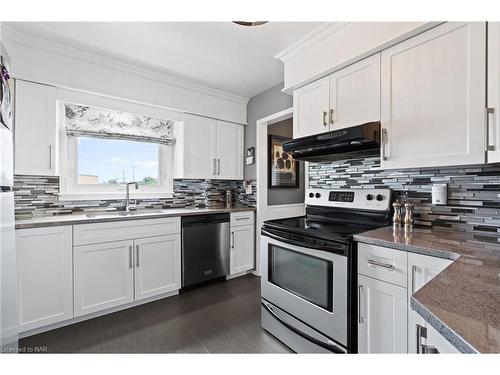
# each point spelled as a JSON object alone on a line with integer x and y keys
{"x": 361, "y": 199}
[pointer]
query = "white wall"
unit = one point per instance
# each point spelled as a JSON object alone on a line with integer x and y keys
{"x": 262, "y": 105}
{"x": 46, "y": 62}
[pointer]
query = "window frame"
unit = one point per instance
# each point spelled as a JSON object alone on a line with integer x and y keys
{"x": 71, "y": 190}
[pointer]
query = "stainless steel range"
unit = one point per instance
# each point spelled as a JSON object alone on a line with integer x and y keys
{"x": 309, "y": 269}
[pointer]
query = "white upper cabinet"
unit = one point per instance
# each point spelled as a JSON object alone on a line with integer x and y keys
{"x": 493, "y": 92}
{"x": 229, "y": 151}
{"x": 35, "y": 129}
{"x": 45, "y": 278}
{"x": 348, "y": 97}
{"x": 310, "y": 108}
{"x": 355, "y": 94}
{"x": 196, "y": 148}
{"x": 433, "y": 98}
{"x": 208, "y": 149}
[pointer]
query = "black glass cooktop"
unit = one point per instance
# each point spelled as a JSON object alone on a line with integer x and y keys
{"x": 336, "y": 231}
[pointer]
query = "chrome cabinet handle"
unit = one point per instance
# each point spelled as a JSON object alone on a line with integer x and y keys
{"x": 324, "y": 118}
{"x": 50, "y": 157}
{"x": 215, "y": 166}
{"x": 413, "y": 271}
{"x": 384, "y": 141}
{"x": 218, "y": 166}
{"x": 232, "y": 238}
{"x": 489, "y": 111}
{"x": 243, "y": 218}
{"x": 378, "y": 264}
{"x": 423, "y": 348}
{"x": 331, "y": 116}
{"x": 137, "y": 255}
{"x": 360, "y": 316}
{"x": 130, "y": 265}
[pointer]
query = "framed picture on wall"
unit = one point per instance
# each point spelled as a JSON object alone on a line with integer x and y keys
{"x": 283, "y": 170}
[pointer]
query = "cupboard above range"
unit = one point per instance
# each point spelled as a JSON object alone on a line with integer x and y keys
{"x": 427, "y": 92}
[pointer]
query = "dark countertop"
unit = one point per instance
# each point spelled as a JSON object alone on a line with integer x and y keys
{"x": 463, "y": 301}
{"x": 106, "y": 216}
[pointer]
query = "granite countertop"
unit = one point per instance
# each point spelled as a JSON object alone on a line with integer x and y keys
{"x": 106, "y": 216}
{"x": 463, "y": 301}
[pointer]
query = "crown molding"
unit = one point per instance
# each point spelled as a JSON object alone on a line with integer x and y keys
{"x": 46, "y": 45}
{"x": 309, "y": 40}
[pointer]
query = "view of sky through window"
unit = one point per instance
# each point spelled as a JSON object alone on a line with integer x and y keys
{"x": 112, "y": 161}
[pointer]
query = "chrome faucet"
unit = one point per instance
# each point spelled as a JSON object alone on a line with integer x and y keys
{"x": 128, "y": 206}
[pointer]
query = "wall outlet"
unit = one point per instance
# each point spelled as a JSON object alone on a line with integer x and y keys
{"x": 439, "y": 194}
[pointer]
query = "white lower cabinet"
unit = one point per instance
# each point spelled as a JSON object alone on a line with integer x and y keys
{"x": 421, "y": 270}
{"x": 382, "y": 321}
{"x": 157, "y": 265}
{"x": 104, "y": 276}
{"x": 242, "y": 256}
{"x": 115, "y": 273}
{"x": 386, "y": 321}
{"x": 45, "y": 282}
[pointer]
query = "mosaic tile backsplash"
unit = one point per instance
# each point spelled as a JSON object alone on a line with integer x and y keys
{"x": 473, "y": 191}
{"x": 38, "y": 196}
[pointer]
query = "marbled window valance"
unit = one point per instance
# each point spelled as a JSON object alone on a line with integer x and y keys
{"x": 101, "y": 123}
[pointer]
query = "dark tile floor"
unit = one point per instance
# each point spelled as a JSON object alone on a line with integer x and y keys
{"x": 218, "y": 318}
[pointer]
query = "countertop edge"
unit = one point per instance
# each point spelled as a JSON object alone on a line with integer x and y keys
{"x": 451, "y": 336}
{"x": 76, "y": 219}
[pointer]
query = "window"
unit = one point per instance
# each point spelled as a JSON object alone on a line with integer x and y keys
{"x": 114, "y": 161}
{"x": 107, "y": 149}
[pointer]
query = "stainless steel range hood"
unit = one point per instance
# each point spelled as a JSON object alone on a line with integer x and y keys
{"x": 351, "y": 143}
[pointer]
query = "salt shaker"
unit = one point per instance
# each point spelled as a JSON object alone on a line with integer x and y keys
{"x": 396, "y": 219}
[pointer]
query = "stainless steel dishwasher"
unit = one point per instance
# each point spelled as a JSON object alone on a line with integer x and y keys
{"x": 205, "y": 248}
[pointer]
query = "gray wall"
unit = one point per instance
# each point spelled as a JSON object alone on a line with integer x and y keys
{"x": 262, "y": 105}
{"x": 285, "y": 196}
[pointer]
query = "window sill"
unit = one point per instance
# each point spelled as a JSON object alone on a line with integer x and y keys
{"x": 88, "y": 196}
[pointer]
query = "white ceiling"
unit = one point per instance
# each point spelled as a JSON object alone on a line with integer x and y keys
{"x": 222, "y": 55}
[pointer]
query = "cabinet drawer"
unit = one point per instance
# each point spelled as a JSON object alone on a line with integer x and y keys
{"x": 242, "y": 218}
{"x": 85, "y": 234}
{"x": 383, "y": 263}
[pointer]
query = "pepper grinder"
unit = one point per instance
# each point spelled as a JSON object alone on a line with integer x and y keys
{"x": 408, "y": 221}
{"x": 396, "y": 219}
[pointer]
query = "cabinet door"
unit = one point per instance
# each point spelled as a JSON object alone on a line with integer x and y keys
{"x": 355, "y": 94}
{"x": 45, "y": 277}
{"x": 157, "y": 265}
{"x": 494, "y": 92}
{"x": 310, "y": 108}
{"x": 381, "y": 317}
{"x": 199, "y": 147}
{"x": 35, "y": 129}
{"x": 104, "y": 276}
{"x": 242, "y": 248}
{"x": 421, "y": 270}
{"x": 229, "y": 151}
{"x": 432, "y": 101}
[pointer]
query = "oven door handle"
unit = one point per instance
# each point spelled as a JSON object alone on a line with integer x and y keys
{"x": 339, "y": 250}
{"x": 324, "y": 345}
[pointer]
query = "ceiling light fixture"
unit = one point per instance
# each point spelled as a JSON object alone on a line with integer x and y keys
{"x": 250, "y": 23}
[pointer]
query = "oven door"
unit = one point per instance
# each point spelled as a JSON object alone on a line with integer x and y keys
{"x": 309, "y": 284}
